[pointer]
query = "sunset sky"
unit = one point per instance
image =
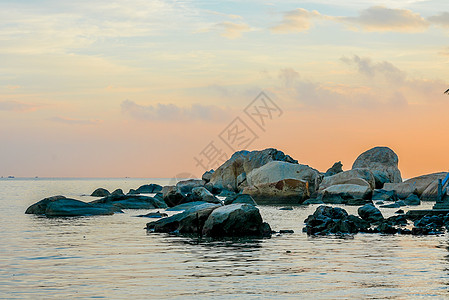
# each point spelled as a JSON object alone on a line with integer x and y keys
{"x": 141, "y": 88}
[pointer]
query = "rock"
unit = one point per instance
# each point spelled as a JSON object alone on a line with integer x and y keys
{"x": 362, "y": 177}
{"x": 400, "y": 220}
{"x": 391, "y": 205}
{"x": 225, "y": 177}
{"x": 412, "y": 200}
{"x": 211, "y": 188}
{"x": 287, "y": 191}
{"x": 333, "y": 220}
{"x": 190, "y": 221}
{"x": 60, "y": 206}
{"x": 358, "y": 202}
{"x": 149, "y": 189}
{"x": 207, "y": 176}
{"x": 286, "y": 208}
{"x": 313, "y": 201}
{"x": 426, "y": 185}
{"x": 226, "y": 193}
{"x": 386, "y": 228}
{"x": 346, "y": 192}
{"x": 100, "y": 192}
{"x": 335, "y": 169}
{"x": 286, "y": 231}
{"x": 241, "y": 179}
{"x": 172, "y": 196}
{"x": 129, "y": 202}
{"x": 240, "y": 198}
{"x": 402, "y": 190}
{"x": 370, "y": 213}
{"x": 132, "y": 192}
{"x": 277, "y": 171}
{"x": 118, "y": 192}
{"x": 384, "y": 195}
{"x": 154, "y": 215}
{"x": 380, "y": 203}
{"x": 236, "y": 220}
{"x": 429, "y": 225}
{"x": 202, "y": 194}
{"x": 400, "y": 211}
{"x": 382, "y": 162}
{"x": 186, "y": 206}
{"x": 186, "y": 186}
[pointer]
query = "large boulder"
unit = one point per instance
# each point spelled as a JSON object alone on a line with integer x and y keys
{"x": 129, "y": 202}
{"x": 362, "y": 177}
{"x": 207, "y": 175}
{"x": 382, "y": 162}
{"x": 147, "y": 189}
{"x": 335, "y": 169}
{"x": 202, "y": 194}
{"x": 240, "y": 198}
{"x": 286, "y": 191}
{"x": 60, "y": 206}
{"x": 402, "y": 190}
{"x": 276, "y": 171}
{"x": 225, "y": 177}
{"x": 100, "y": 192}
{"x": 427, "y": 185}
{"x": 370, "y": 213}
{"x": 172, "y": 196}
{"x": 189, "y": 221}
{"x": 236, "y": 220}
{"x": 342, "y": 193}
{"x": 186, "y": 186}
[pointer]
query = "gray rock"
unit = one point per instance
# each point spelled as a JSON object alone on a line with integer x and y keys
{"x": 412, "y": 200}
{"x": 186, "y": 206}
{"x": 118, "y": 192}
{"x": 335, "y": 169}
{"x": 202, "y": 194}
{"x": 347, "y": 191}
{"x": 172, "y": 196}
{"x": 236, "y": 220}
{"x": 426, "y": 185}
{"x": 207, "y": 176}
{"x": 370, "y": 213}
{"x": 100, "y": 192}
{"x": 154, "y": 215}
{"x": 186, "y": 186}
{"x": 286, "y": 191}
{"x": 402, "y": 190}
{"x": 313, "y": 201}
{"x": 382, "y": 162}
{"x": 129, "y": 202}
{"x": 149, "y": 189}
{"x": 383, "y": 195}
{"x": 362, "y": 177}
{"x": 240, "y": 198}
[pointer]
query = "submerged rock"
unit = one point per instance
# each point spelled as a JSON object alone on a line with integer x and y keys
{"x": 60, "y": 206}
{"x": 129, "y": 202}
{"x": 154, "y": 215}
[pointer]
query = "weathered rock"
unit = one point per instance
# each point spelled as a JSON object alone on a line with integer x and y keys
{"x": 426, "y": 185}
{"x": 392, "y": 205}
{"x": 207, "y": 176}
{"x": 276, "y": 171}
{"x": 60, "y": 206}
{"x": 118, "y": 192}
{"x": 241, "y": 179}
{"x": 382, "y": 162}
{"x": 129, "y": 202}
{"x": 399, "y": 220}
{"x": 100, "y": 192}
{"x": 370, "y": 213}
{"x": 236, "y": 220}
{"x": 362, "y": 177}
{"x": 240, "y": 198}
{"x": 172, "y": 196}
{"x": 190, "y": 221}
{"x": 412, "y": 200}
{"x": 402, "y": 190}
{"x": 287, "y": 191}
{"x": 202, "y": 194}
{"x": 225, "y": 177}
{"x": 154, "y": 215}
{"x": 186, "y": 186}
{"x": 383, "y": 195}
{"x": 186, "y": 206}
{"x": 335, "y": 169}
{"x": 149, "y": 189}
{"x": 346, "y": 192}
{"x": 313, "y": 201}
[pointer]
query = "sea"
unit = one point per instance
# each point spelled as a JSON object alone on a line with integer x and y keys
{"x": 114, "y": 257}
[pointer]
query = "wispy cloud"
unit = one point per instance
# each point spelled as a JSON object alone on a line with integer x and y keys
{"x": 297, "y": 20}
{"x": 441, "y": 19}
{"x": 233, "y": 30}
{"x": 17, "y": 106}
{"x": 71, "y": 121}
{"x": 172, "y": 112}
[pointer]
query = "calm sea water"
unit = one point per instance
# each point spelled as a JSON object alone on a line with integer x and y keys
{"x": 113, "y": 256}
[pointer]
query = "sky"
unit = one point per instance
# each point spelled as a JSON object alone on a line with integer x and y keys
{"x": 143, "y": 88}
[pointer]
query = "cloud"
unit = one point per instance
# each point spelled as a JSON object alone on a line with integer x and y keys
{"x": 17, "y": 106}
{"x": 71, "y": 121}
{"x": 297, "y": 20}
{"x": 372, "y": 69}
{"x": 232, "y": 30}
{"x": 172, "y": 112}
{"x": 380, "y": 18}
{"x": 441, "y": 19}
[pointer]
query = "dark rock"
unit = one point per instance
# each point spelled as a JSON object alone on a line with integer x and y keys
{"x": 226, "y": 193}
{"x": 132, "y": 192}
{"x": 207, "y": 176}
{"x": 384, "y": 195}
{"x": 370, "y": 213}
{"x": 240, "y": 198}
{"x": 211, "y": 188}
{"x": 60, "y": 206}
{"x": 400, "y": 220}
{"x": 412, "y": 200}
{"x": 286, "y": 231}
{"x": 172, "y": 196}
{"x": 313, "y": 201}
{"x": 335, "y": 169}
{"x": 400, "y": 211}
{"x": 149, "y": 188}
{"x": 202, "y": 194}
{"x": 118, "y": 192}
{"x": 380, "y": 203}
{"x": 386, "y": 228}
{"x": 129, "y": 202}
{"x": 189, "y": 221}
{"x": 358, "y": 202}
{"x": 236, "y": 220}
{"x": 286, "y": 208}
{"x": 186, "y": 186}
{"x": 391, "y": 205}
{"x": 186, "y": 206}
{"x": 154, "y": 215}
{"x": 100, "y": 192}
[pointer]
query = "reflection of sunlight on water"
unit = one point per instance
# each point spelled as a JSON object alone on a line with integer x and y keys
{"x": 114, "y": 257}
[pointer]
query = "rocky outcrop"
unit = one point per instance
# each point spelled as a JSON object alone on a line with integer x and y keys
{"x": 147, "y": 189}
{"x": 172, "y": 196}
{"x": 100, "y": 192}
{"x": 346, "y": 194}
{"x": 240, "y": 198}
{"x": 402, "y": 190}
{"x": 129, "y": 202}
{"x": 362, "y": 177}
{"x": 287, "y": 191}
{"x": 276, "y": 171}
{"x": 207, "y": 176}
{"x": 427, "y": 185}
{"x": 60, "y": 206}
{"x": 118, "y": 192}
{"x": 382, "y": 162}
{"x": 186, "y": 186}
{"x": 202, "y": 194}
{"x": 225, "y": 177}
{"x": 236, "y": 220}
{"x": 335, "y": 169}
